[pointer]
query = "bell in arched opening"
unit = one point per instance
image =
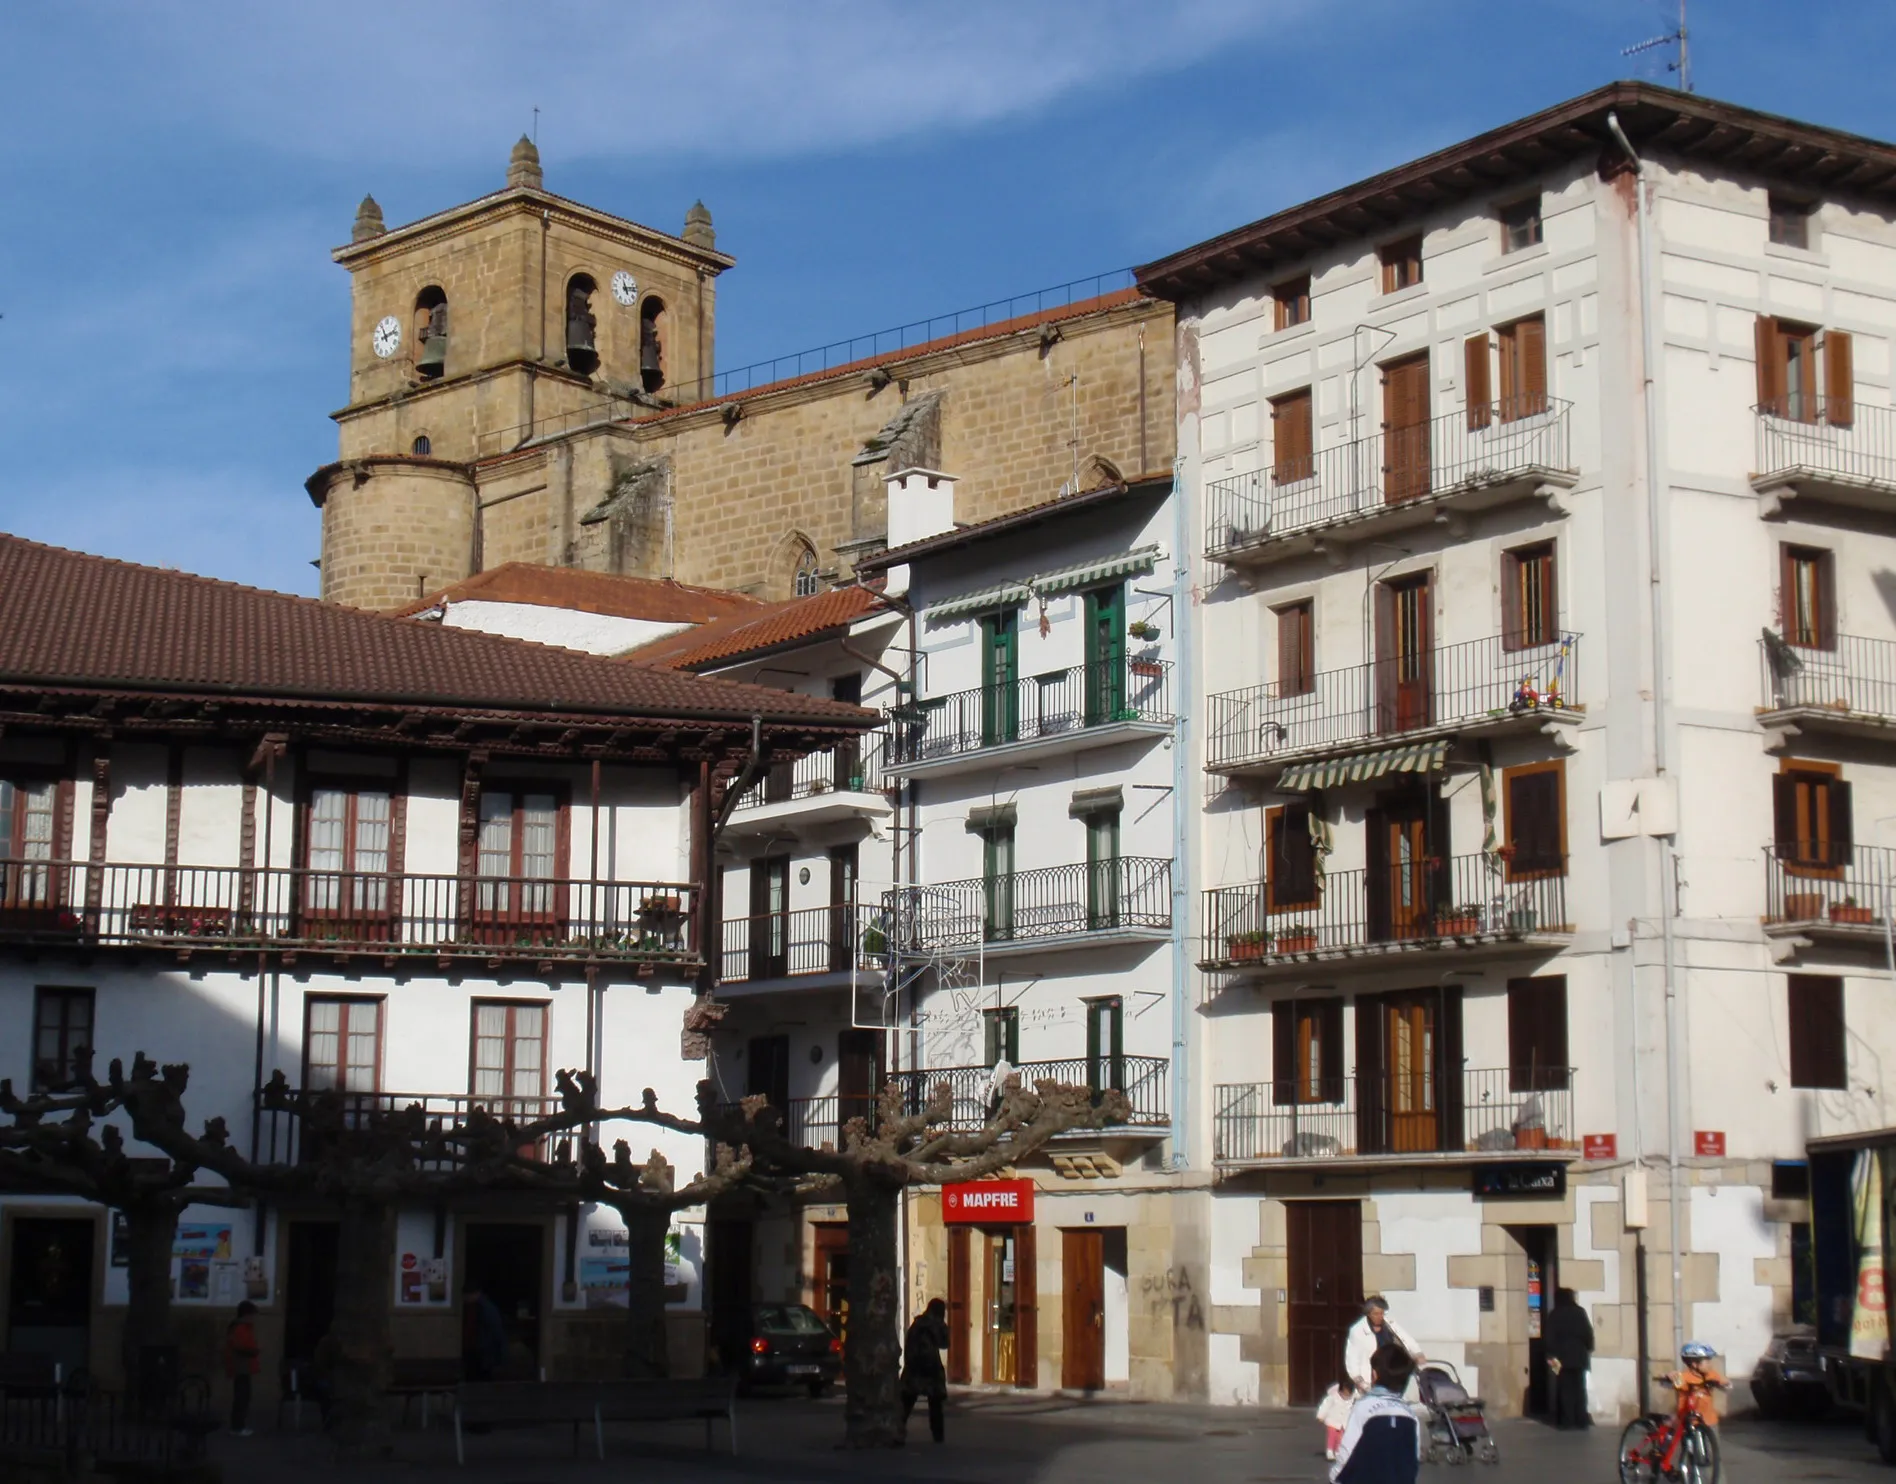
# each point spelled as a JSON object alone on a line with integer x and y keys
{"x": 652, "y": 344}
{"x": 582, "y": 352}
{"x": 431, "y": 332}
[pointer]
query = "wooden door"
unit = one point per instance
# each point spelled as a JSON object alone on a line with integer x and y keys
{"x": 960, "y": 1337}
{"x": 1083, "y": 1309}
{"x": 829, "y": 1278}
{"x": 1405, "y": 654}
{"x": 1026, "y": 1309}
{"x": 858, "y": 1074}
{"x": 1399, "y": 875}
{"x": 1410, "y": 1057}
{"x": 1406, "y": 429}
{"x": 1325, "y": 1241}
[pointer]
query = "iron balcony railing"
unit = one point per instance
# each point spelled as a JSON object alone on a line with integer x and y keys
{"x": 1424, "y": 1112}
{"x": 1460, "y": 450}
{"x": 1819, "y": 882}
{"x": 854, "y": 766}
{"x": 329, "y": 1119}
{"x": 384, "y": 912}
{"x": 1842, "y": 437}
{"x": 1428, "y": 898}
{"x": 810, "y": 940}
{"x": 1451, "y": 685}
{"x": 1109, "y": 896}
{"x": 1851, "y": 676}
{"x": 974, "y": 1094}
{"x": 1057, "y": 703}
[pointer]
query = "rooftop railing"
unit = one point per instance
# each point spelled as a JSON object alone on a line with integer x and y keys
{"x": 1053, "y": 704}
{"x": 1467, "y": 449}
{"x": 1851, "y": 676}
{"x": 1452, "y": 684}
{"x": 1841, "y": 437}
{"x": 385, "y": 913}
{"x": 848, "y": 767}
{"x": 1474, "y": 1111}
{"x": 1130, "y": 893}
{"x": 1429, "y": 899}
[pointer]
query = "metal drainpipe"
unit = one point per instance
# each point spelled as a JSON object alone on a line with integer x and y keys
{"x": 1182, "y": 697}
{"x": 1668, "y": 854}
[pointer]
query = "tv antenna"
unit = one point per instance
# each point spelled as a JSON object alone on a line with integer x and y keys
{"x": 1682, "y": 64}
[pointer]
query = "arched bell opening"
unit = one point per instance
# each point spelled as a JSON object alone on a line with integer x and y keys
{"x": 582, "y": 350}
{"x": 652, "y": 328}
{"x": 431, "y": 332}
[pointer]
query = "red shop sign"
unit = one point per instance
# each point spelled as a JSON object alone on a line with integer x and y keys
{"x": 1600, "y": 1146}
{"x": 988, "y": 1203}
{"x": 1709, "y": 1143}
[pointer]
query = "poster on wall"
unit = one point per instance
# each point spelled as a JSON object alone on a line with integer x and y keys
{"x": 422, "y": 1280}
{"x": 194, "y": 1251}
{"x": 121, "y": 1255}
{"x": 605, "y": 1280}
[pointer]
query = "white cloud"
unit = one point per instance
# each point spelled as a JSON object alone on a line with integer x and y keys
{"x": 453, "y": 83}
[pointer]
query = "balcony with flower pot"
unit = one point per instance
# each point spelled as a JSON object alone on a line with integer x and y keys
{"x": 844, "y": 782}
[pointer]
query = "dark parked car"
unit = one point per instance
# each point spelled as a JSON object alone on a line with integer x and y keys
{"x": 789, "y": 1345}
{"x": 1788, "y": 1380}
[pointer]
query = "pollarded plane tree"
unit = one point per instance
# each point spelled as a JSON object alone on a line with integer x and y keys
{"x": 879, "y": 1157}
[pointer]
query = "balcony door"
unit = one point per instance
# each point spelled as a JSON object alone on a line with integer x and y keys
{"x": 1105, "y": 1045}
{"x": 1406, "y": 429}
{"x": 1105, "y": 654}
{"x": 28, "y": 816}
{"x": 1104, "y": 878}
{"x": 1000, "y": 677}
{"x": 843, "y": 869}
{"x": 1409, "y": 1090}
{"x": 1405, "y": 654}
{"x": 348, "y": 850}
{"x": 1402, "y": 876}
{"x": 342, "y": 1054}
{"x": 1409, "y": 1072}
{"x": 769, "y": 918}
{"x": 509, "y": 1073}
{"x": 521, "y": 845}
{"x": 858, "y": 1074}
{"x": 997, "y": 882}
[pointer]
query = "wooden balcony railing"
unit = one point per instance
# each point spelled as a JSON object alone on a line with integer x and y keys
{"x": 384, "y": 913}
{"x": 1491, "y": 1111}
{"x": 327, "y": 1119}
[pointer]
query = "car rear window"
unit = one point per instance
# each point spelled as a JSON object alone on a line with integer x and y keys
{"x": 790, "y": 1319}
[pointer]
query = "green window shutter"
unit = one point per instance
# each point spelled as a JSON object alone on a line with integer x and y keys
{"x": 1105, "y": 654}
{"x": 1000, "y": 676}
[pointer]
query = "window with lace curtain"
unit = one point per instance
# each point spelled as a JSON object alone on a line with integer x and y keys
{"x": 342, "y": 1046}
{"x": 509, "y": 1073}
{"x": 347, "y": 849}
{"x": 519, "y": 847}
{"x": 27, "y": 817}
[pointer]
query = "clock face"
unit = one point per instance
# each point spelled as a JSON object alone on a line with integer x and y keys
{"x": 388, "y": 336}
{"x": 625, "y": 288}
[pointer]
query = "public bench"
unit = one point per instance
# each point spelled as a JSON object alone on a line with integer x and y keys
{"x": 576, "y": 1403}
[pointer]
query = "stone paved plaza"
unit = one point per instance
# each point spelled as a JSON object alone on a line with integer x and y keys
{"x": 1013, "y": 1440}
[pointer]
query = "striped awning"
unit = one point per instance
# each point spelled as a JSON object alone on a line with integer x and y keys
{"x": 1361, "y": 767}
{"x": 1085, "y": 574}
{"x": 986, "y": 600}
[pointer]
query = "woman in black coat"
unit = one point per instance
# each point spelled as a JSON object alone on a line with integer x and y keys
{"x": 1568, "y": 1340}
{"x": 922, "y": 1371}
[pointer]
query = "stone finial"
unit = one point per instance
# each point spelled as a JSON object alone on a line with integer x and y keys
{"x": 523, "y": 166}
{"x": 368, "y": 222}
{"x": 698, "y": 229}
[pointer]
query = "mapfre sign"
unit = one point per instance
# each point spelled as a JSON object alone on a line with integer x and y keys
{"x": 988, "y": 1203}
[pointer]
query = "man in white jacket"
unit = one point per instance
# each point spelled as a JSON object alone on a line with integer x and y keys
{"x": 1374, "y": 1330}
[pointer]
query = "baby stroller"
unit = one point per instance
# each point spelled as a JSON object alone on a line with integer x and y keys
{"x": 1458, "y": 1425}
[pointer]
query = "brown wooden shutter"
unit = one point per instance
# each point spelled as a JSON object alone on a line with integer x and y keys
{"x": 1787, "y": 592}
{"x": 1534, "y": 823}
{"x": 1480, "y": 394}
{"x": 1825, "y": 572}
{"x": 1839, "y": 380}
{"x": 1530, "y": 353}
{"x": 1784, "y": 815}
{"x": 1817, "y": 1041}
{"x": 1771, "y": 375}
{"x": 1537, "y": 1033}
{"x": 1027, "y": 1310}
{"x": 1284, "y": 1071}
{"x": 1450, "y": 1058}
{"x": 1841, "y": 836}
{"x": 960, "y": 1350}
{"x": 1330, "y": 1060}
{"x": 1293, "y": 436}
{"x": 1371, "y": 1136}
{"x": 1513, "y": 601}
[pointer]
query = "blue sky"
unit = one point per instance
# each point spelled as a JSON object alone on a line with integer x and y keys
{"x": 173, "y": 175}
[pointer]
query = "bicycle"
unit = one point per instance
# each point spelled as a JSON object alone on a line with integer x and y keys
{"x": 1682, "y": 1447}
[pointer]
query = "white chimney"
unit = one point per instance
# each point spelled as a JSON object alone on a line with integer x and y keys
{"x": 921, "y": 504}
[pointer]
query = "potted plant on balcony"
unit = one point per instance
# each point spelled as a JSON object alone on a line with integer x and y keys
{"x": 1463, "y": 921}
{"x": 1847, "y": 911}
{"x": 1250, "y": 946}
{"x": 1146, "y": 668}
{"x": 1523, "y": 918}
{"x": 1530, "y": 1128}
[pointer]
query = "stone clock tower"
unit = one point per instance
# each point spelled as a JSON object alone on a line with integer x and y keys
{"x": 472, "y": 331}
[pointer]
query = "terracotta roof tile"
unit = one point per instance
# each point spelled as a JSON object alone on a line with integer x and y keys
{"x": 591, "y": 592}
{"x": 72, "y": 620}
{"x": 730, "y": 638}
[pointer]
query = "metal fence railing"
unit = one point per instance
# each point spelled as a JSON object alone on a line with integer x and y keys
{"x": 854, "y": 766}
{"x": 1449, "y": 685}
{"x": 386, "y": 912}
{"x": 1128, "y": 892}
{"x": 1425, "y": 1112}
{"x": 71, "y": 1427}
{"x": 835, "y": 356}
{"x": 810, "y": 940}
{"x": 1055, "y": 703}
{"x": 1844, "y": 885}
{"x": 328, "y": 1119}
{"x": 1852, "y": 676}
{"x": 1457, "y": 451}
{"x": 1429, "y": 898}
{"x": 1839, "y": 436}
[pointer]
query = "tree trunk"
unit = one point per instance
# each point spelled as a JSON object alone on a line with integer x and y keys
{"x": 151, "y": 1230}
{"x": 872, "y": 1350}
{"x": 645, "y": 1351}
{"x": 365, "y": 1276}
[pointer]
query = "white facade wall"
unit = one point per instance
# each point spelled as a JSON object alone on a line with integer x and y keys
{"x": 569, "y": 628}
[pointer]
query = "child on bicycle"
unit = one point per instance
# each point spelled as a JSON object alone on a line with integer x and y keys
{"x": 1699, "y": 1380}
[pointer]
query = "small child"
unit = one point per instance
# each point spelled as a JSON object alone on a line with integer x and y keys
{"x": 241, "y": 1354}
{"x": 1334, "y": 1413}
{"x": 1699, "y": 1380}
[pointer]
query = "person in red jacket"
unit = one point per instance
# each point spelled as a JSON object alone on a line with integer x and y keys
{"x": 242, "y": 1355}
